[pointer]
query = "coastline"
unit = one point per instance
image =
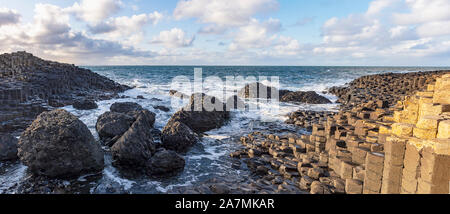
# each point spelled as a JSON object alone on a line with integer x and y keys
{"x": 360, "y": 149}
{"x": 293, "y": 163}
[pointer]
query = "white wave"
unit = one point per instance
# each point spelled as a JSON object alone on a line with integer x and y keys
{"x": 111, "y": 174}
{"x": 12, "y": 176}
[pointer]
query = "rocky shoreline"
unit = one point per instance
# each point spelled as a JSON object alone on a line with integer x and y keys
{"x": 340, "y": 152}
{"x": 361, "y": 148}
{"x": 30, "y": 85}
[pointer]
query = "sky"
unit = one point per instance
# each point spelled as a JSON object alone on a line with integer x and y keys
{"x": 230, "y": 32}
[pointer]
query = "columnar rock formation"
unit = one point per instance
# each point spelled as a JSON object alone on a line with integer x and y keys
{"x": 30, "y": 85}
{"x": 370, "y": 147}
{"x": 389, "y": 87}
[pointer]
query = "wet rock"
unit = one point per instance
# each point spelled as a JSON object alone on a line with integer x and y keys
{"x": 58, "y": 144}
{"x": 111, "y": 125}
{"x": 165, "y": 163}
{"x": 200, "y": 116}
{"x": 125, "y": 107}
{"x": 178, "y": 137}
{"x": 136, "y": 146}
{"x": 156, "y": 99}
{"x": 257, "y": 90}
{"x": 85, "y": 104}
{"x": 220, "y": 189}
{"x": 178, "y": 94}
{"x": 262, "y": 170}
{"x": 8, "y": 147}
{"x": 162, "y": 108}
{"x": 309, "y": 97}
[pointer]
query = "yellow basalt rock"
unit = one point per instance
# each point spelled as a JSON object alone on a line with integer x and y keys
{"x": 444, "y": 130}
{"x": 426, "y": 134}
{"x": 402, "y": 129}
{"x": 429, "y": 122}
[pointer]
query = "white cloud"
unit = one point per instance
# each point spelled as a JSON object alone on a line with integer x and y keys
{"x": 421, "y": 31}
{"x": 287, "y": 46}
{"x": 223, "y": 13}
{"x": 8, "y": 16}
{"x": 125, "y": 25}
{"x": 378, "y": 6}
{"x": 255, "y": 34}
{"x": 94, "y": 11}
{"x": 354, "y": 29}
{"x": 173, "y": 38}
{"x": 432, "y": 29}
{"x": 50, "y": 35}
{"x": 424, "y": 11}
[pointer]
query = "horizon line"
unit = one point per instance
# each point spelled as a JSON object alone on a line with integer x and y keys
{"x": 374, "y": 66}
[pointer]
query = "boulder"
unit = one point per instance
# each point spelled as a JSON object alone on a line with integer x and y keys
{"x": 201, "y": 117}
{"x": 178, "y": 137}
{"x": 162, "y": 108}
{"x": 85, "y": 104}
{"x": 255, "y": 90}
{"x": 309, "y": 97}
{"x": 136, "y": 146}
{"x": 58, "y": 144}
{"x": 165, "y": 163}
{"x": 112, "y": 124}
{"x": 8, "y": 147}
{"x": 125, "y": 107}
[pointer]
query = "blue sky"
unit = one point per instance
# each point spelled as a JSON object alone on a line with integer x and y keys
{"x": 231, "y": 32}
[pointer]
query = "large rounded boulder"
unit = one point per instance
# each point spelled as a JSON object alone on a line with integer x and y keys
{"x": 165, "y": 163}
{"x": 178, "y": 137}
{"x": 58, "y": 144}
{"x": 202, "y": 114}
{"x": 8, "y": 147}
{"x": 111, "y": 125}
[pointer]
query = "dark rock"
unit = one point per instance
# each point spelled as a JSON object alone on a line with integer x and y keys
{"x": 8, "y": 147}
{"x": 257, "y": 90}
{"x": 85, "y": 104}
{"x": 156, "y": 99}
{"x": 178, "y": 137}
{"x": 125, "y": 107}
{"x": 386, "y": 89}
{"x": 200, "y": 116}
{"x": 220, "y": 189}
{"x": 309, "y": 97}
{"x": 30, "y": 86}
{"x": 165, "y": 163}
{"x": 136, "y": 146}
{"x": 58, "y": 144}
{"x": 262, "y": 170}
{"x": 112, "y": 124}
{"x": 162, "y": 108}
{"x": 140, "y": 97}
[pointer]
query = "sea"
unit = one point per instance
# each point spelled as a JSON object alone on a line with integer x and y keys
{"x": 209, "y": 158}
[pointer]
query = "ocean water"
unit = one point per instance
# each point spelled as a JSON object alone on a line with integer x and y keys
{"x": 209, "y": 158}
